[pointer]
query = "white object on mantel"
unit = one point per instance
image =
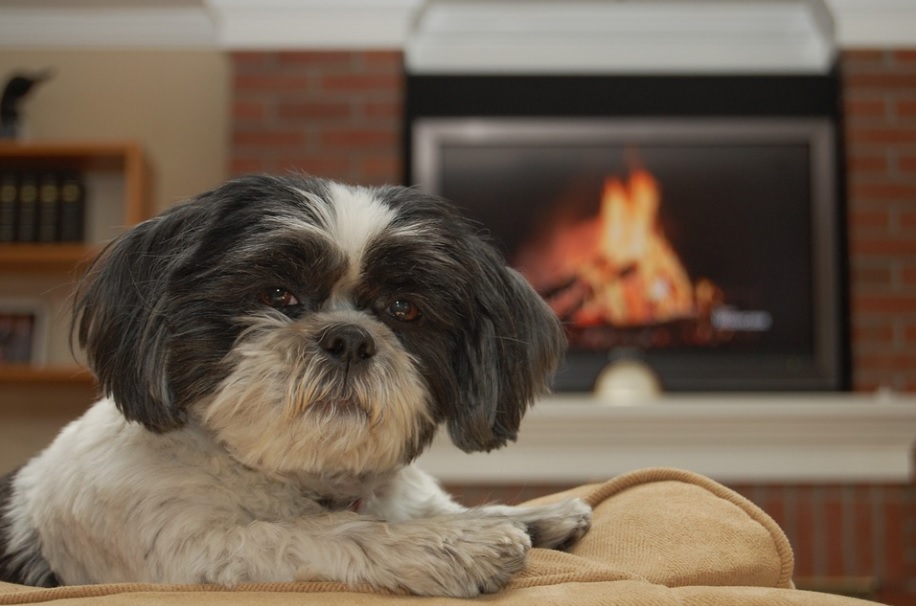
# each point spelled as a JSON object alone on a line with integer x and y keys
{"x": 755, "y": 438}
{"x": 623, "y": 37}
{"x": 627, "y": 382}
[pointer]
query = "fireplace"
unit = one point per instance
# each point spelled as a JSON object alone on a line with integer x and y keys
{"x": 708, "y": 245}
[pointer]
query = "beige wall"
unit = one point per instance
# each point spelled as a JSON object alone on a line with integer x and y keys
{"x": 176, "y": 105}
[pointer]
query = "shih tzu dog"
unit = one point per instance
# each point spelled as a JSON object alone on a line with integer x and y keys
{"x": 275, "y": 354}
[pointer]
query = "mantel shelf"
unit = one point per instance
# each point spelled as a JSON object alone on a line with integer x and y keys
{"x": 781, "y": 438}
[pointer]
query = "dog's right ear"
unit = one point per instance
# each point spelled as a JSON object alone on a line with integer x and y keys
{"x": 119, "y": 316}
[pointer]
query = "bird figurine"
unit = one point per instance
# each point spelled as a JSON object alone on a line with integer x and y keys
{"x": 17, "y": 87}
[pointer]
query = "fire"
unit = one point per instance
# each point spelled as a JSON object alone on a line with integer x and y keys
{"x": 617, "y": 267}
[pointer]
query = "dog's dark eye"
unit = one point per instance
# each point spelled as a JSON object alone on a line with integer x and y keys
{"x": 404, "y": 310}
{"x": 277, "y": 298}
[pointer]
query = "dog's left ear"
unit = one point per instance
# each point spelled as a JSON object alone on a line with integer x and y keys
{"x": 120, "y": 318}
{"x": 511, "y": 349}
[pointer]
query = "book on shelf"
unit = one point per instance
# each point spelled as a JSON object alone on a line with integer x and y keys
{"x": 72, "y": 208}
{"x": 27, "y": 211}
{"x": 9, "y": 190}
{"x": 48, "y": 208}
{"x": 45, "y": 207}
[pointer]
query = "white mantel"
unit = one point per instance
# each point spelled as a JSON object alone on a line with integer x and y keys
{"x": 784, "y": 438}
{"x": 597, "y": 37}
{"x": 335, "y": 24}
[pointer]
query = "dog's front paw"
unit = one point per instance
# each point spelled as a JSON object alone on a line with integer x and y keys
{"x": 465, "y": 555}
{"x": 556, "y": 526}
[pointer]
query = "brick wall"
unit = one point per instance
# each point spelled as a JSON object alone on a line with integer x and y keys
{"x": 334, "y": 114}
{"x": 880, "y": 101}
{"x": 338, "y": 114}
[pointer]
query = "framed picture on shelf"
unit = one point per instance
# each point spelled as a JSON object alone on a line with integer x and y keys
{"x": 23, "y": 331}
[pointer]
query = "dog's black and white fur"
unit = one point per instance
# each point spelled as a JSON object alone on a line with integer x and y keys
{"x": 275, "y": 353}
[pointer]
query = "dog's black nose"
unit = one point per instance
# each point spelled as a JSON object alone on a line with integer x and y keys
{"x": 347, "y": 343}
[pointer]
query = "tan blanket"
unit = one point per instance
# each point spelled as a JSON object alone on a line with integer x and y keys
{"x": 659, "y": 537}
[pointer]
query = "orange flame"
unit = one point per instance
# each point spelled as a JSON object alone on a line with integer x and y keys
{"x": 617, "y": 267}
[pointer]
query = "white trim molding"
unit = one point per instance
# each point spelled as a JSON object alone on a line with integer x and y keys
{"x": 627, "y": 36}
{"x": 45, "y": 24}
{"x": 875, "y": 23}
{"x": 784, "y": 438}
{"x": 364, "y": 24}
{"x": 303, "y": 24}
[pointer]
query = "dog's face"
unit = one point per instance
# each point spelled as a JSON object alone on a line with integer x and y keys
{"x": 316, "y": 327}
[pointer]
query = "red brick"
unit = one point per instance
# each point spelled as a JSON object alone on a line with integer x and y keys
{"x": 884, "y": 191}
{"x": 887, "y": 246}
{"x": 362, "y": 83}
{"x": 905, "y": 56}
{"x": 383, "y": 109}
{"x": 881, "y": 304}
{"x": 360, "y": 139}
{"x": 271, "y": 82}
{"x": 324, "y": 165}
{"x": 863, "y": 533}
{"x": 906, "y": 108}
{"x": 868, "y": 219}
{"x": 833, "y": 548}
{"x": 865, "y": 108}
{"x": 893, "y": 533}
{"x": 884, "y": 80}
{"x": 384, "y": 61}
{"x": 881, "y": 136}
{"x": 908, "y": 275}
{"x": 314, "y": 110}
{"x": 870, "y": 57}
{"x": 241, "y": 166}
{"x": 867, "y": 163}
{"x": 872, "y": 275}
{"x": 334, "y": 59}
{"x": 882, "y": 334}
{"x": 866, "y": 385}
{"x": 907, "y": 162}
{"x": 804, "y": 544}
{"x": 909, "y": 531}
{"x": 899, "y": 596}
{"x": 268, "y": 139}
{"x": 774, "y": 505}
{"x": 909, "y": 334}
{"x": 382, "y": 166}
{"x": 906, "y": 219}
{"x": 248, "y": 110}
{"x": 888, "y": 362}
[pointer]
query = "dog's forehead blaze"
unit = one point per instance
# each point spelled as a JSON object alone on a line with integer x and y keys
{"x": 351, "y": 218}
{"x": 356, "y": 218}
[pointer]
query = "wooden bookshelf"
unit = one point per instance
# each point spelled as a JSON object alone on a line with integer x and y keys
{"x": 27, "y": 374}
{"x": 117, "y": 196}
{"x": 45, "y": 257}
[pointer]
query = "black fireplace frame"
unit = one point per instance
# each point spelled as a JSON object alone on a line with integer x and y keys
{"x": 652, "y": 97}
